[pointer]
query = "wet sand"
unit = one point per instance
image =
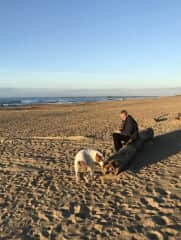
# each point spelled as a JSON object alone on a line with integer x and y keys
{"x": 39, "y": 198}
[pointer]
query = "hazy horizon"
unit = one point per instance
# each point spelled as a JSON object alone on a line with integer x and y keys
{"x": 53, "y": 92}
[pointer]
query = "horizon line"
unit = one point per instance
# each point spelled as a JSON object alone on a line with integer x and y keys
{"x": 114, "y": 88}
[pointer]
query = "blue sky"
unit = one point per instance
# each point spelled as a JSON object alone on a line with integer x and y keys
{"x": 90, "y": 44}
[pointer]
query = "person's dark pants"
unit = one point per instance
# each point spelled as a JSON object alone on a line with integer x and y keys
{"x": 118, "y": 138}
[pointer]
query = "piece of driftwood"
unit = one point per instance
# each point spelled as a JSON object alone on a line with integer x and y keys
{"x": 117, "y": 162}
{"x": 163, "y": 117}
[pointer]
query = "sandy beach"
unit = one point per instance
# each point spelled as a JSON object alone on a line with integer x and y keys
{"x": 39, "y": 198}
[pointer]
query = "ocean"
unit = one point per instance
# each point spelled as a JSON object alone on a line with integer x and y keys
{"x": 23, "y": 101}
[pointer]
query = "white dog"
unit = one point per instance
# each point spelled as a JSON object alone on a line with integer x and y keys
{"x": 86, "y": 159}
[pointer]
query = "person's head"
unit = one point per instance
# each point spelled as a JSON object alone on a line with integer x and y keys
{"x": 123, "y": 115}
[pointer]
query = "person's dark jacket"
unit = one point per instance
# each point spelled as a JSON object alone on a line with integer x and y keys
{"x": 130, "y": 128}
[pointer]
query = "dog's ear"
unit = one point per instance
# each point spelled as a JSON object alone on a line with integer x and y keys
{"x": 98, "y": 158}
{"x": 103, "y": 152}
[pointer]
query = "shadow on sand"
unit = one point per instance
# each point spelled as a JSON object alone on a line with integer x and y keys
{"x": 161, "y": 148}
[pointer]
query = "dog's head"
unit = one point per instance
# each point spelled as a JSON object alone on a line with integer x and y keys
{"x": 99, "y": 158}
{"x": 108, "y": 167}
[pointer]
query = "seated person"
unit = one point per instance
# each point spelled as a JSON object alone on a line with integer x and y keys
{"x": 128, "y": 131}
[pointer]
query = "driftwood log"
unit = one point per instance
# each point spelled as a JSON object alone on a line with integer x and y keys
{"x": 117, "y": 162}
{"x": 163, "y": 117}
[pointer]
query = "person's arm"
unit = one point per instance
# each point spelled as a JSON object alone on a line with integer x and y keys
{"x": 122, "y": 126}
{"x": 128, "y": 129}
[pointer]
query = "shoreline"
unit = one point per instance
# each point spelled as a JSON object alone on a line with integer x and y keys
{"x": 30, "y": 101}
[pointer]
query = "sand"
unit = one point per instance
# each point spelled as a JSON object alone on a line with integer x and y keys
{"x": 39, "y": 198}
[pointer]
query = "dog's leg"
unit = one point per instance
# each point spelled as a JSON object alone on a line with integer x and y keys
{"x": 76, "y": 166}
{"x": 86, "y": 179}
{"x": 91, "y": 171}
{"x": 77, "y": 177}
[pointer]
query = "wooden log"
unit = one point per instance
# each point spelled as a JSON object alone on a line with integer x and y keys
{"x": 163, "y": 117}
{"x": 117, "y": 162}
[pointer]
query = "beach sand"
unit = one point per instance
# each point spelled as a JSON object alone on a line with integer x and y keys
{"x": 39, "y": 198}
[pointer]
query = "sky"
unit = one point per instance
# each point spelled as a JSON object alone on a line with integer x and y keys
{"x": 97, "y": 44}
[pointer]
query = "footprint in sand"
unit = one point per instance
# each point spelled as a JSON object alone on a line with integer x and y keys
{"x": 163, "y": 192}
{"x": 155, "y": 235}
{"x": 161, "y": 220}
{"x": 150, "y": 202}
{"x": 171, "y": 233}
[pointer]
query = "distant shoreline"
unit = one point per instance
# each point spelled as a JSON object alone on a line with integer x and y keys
{"x": 11, "y": 102}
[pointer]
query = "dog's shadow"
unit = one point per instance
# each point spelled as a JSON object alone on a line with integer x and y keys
{"x": 159, "y": 149}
